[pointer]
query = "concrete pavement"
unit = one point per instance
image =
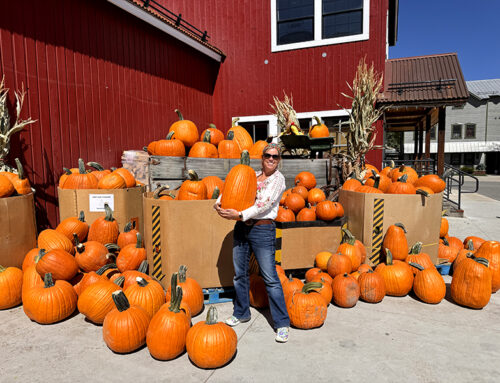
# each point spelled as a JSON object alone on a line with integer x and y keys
{"x": 400, "y": 339}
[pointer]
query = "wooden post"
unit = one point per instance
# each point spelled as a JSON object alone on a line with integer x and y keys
{"x": 441, "y": 138}
{"x": 415, "y": 145}
{"x": 428, "y": 135}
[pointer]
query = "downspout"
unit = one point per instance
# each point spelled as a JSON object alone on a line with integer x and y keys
{"x": 486, "y": 124}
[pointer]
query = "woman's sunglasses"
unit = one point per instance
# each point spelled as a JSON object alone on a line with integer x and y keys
{"x": 273, "y": 156}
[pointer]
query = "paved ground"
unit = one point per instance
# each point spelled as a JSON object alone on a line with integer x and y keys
{"x": 489, "y": 186}
{"x": 400, "y": 339}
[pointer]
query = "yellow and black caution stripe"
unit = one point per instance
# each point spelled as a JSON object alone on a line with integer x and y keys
{"x": 377, "y": 231}
{"x": 157, "y": 244}
{"x": 278, "y": 244}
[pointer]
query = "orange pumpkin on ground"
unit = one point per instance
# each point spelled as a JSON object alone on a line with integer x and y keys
{"x": 191, "y": 291}
{"x": 471, "y": 283}
{"x": 490, "y": 250}
{"x": 345, "y": 291}
{"x": 307, "y": 308}
{"x": 372, "y": 287}
{"x": 11, "y": 284}
{"x": 428, "y": 284}
{"x": 339, "y": 264}
{"x": 398, "y": 276}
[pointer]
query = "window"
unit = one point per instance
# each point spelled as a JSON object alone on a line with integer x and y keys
{"x": 299, "y": 24}
{"x": 469, "y": 158}
{"x": 456, "y": 132}
{"x": 433, "y": 132}
{"x": 470, "y": 130}
{"x": 257, "y": 129}
{"x": 456, "y": 159}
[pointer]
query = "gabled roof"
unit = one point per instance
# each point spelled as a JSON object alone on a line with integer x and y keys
{"x": 483, "y": 89}
{"x": 434, "y": 80}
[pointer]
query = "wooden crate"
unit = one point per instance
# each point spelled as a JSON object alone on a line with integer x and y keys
{"x": 137, "y": 162}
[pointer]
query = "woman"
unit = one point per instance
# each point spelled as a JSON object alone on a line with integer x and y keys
{"x": 255, "y": 231}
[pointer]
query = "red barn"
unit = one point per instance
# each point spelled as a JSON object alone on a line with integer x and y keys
{"x": 104, "y": 76}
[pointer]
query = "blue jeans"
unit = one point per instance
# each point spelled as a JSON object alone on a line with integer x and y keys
{"x": 261, "y": 240}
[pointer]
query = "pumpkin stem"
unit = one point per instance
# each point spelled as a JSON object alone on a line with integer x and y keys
{"x": 143, "y": 267}
{"x": 230, "y": 135}
{"x": 401, "y": 226}
{"x": 2, "y": 269}
{"x": 318, "y": 121}
{"x": 112, "y": 168}
{"x": 416, "y": 248}
{"x": 170, "y": 135}
{"x": 121, "y": 301}
{"x": 179, "y": 114}
{"x": 422, "y": 192}
{"x": 81, "y": 217}
{"x": 206, "y": 136}
{"x": 66, "y": 171}
{"x": 159, "y": 190}
{"x": 109, "y": 213}
{"x": 348, "y": 237}
{"x": 403, "y": 178}
{"x": 482, "y": 261}
{"x": 212, "y": 315}
{"x": 193, "y": 176}
{"x": 376, "y": 184}
{"x": 175, "y": 301}
{"x": 402, "y": 168}
{"x": 392, "y": 165}
{"x": 20, "y": 170}
{"x": 119, "y": 281}
{"x": 80, "y": 247}
{"x": 48, "y": 281}
{"x": 173, "y": 283}
{"x": 445, "y": 242}
{"x": 182, "y": 273}
{"x": 389, "y": 257}
{"x": 81, "y": 166}
{"x": 112, "y": 247}
{"x": 95, "y": 165}
{"x": 40, "y": 255}
{"x": 311, "y": 286}
{"x": 141, "y": 282}
{"x": 470, "y": 245}
{"x": 105, "y": 267}
{"x": 212, "y": 126}
{"x": 245, "y": 158}
{"x": 138, "y": 245}
{"x": 416, "y": 265}
{"x": 234, "y": 121}
{"x": 216, "y": 193}
{"x": 127, "y": 227}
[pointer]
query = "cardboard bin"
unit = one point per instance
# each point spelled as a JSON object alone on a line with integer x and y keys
{"x": 188, "y": 233}
{"x": 370, "y": 215}
{"x": 125, "y": 203}
{"x": 17, "y": 229}
{"x": 297, "y": 243}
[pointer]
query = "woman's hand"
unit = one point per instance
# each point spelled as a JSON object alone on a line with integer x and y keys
{"x": 227, "y": 213}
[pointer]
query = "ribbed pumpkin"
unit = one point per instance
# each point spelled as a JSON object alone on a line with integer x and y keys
{"x": 95, "y": 302}
{"x": 371, "y": 287}
{"x": 388, "y": 169}
{"x": 443, "y": 229}
{"x": 129, "y": 178}
{"x": 411, "y": 174}
{"x": 345, "y": 291}
{"x": 31, "y": 279}
{"x": 395, "y": 241}
{"x": 462, "y": 254}
{"x": 326, "y": 288}
{"x": 339, "y": 264}
{"x": 209, "y": 343}
{"x": 29, "y": 258}
{"x": 167, "y": 331}
{"x": 240, "y": 186}
{"x": 318, "y": 130}
{"x": 104, "y": 229}
{"x": 147, "y": 294}
{"x": 191, "y": 291}
{"x": 307, "y": 308}
{"x": 321, "y": 259}
{"x": 401, "y": 186}
{"x": 352, "y": 184}
{"x": 364, "y": 268}
{"x": 428, "y": 284}
{"x": 306, "y": 179}
{"x": 50, "y": 239}
{"x": 212, "y": 182}
{"x": 11, "y": 284}
{"x": 51, "y": 302}
{"x": 64, "y": 177}
{"x": 131, "y": 256}
{"x": 125, "y": 327}
{"x": 112, "y": 181}
{"x": 170, "y": 147}
{"x": 285, "y": 215}
{"x": 184, "y": 130}
{"x": 361, "y": 249}
{"x": 127, "y": 236}
{"x": 74, "y": 225}
{"x": 204, "y": 149}
{"x": 311, "y": 273}
{"x": 295, "y": 202}
{"x": 432, "y": 181}
{"x": 302, "y": 191}
{"x": 257, "y": 149}
{"x": 241, "y": 136}
{"x": 306, "y": 214}
{"x": 471, "y": 283}
{"x": 6, "y": 187}
{"x": 398, "y": 276}
{"x": 192, "y": 188}
{"x": 59, "y": 263}
{"x": 416, "y": 256}
{"x": 92, "y": 277}
{"x": 490, "y": 250}
{"x": 91, "y": 255}
{"x": 99, "y": 171}
{"x": 131, "y": 275}
{"x": 291, "y": 285}
{"x": 216, "y": 135}
{"x": 326, "y": 210}
{"x": 348, "y": 248}
{"x": 257, "y": 292}
{"x": 384, "y": 182}
{"x": 445, "y": 251}
{"x": 476, "y": 241}
{"x": 80, "y": 180}
{"x": 228, "y": 148}
{"x": 315, "y": 196}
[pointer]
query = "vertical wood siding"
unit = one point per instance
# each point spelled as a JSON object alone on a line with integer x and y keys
{"x": 99, "y": 82}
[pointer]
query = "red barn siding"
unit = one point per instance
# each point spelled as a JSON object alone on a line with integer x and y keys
{"x": 99, "y": 81}
{"x": 246, "y": 86}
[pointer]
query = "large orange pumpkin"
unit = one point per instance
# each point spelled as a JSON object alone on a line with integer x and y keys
{"x": 104, "y": 229}
{"x": 241, "y": 136}
{"x": 432, "y": 181}
{"x": 184, "y": 130}
{"x": 204, "y": 149}
{"x": 490, "y": 250}
{"x": 306, "y": 179}
{"x": 170, "y": 147}
{"x": 228, "y": 148}
{"x": 307, "y": 308}
{"x": 240, "y": 186}
{"x": 192, "y": 188}
{"x": 398, "y": 276}
{"x": 411, "y": 174}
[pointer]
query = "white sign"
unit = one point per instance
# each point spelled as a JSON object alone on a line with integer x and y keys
{"x": 97, "y": 201}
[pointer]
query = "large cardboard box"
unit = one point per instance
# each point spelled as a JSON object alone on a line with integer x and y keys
{"x": 370, "y": 215}
{"x": 17, "y": 229}
{"x": 188, "y": 233}
{"x": 125, "y": 203}
{"x": 297, "y": 243}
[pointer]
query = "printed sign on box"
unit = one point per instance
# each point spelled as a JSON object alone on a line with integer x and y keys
{"x": 97, "y": 201}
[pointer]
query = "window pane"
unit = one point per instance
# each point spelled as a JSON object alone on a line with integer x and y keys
{"x": 343, "y": 24}
{"x": 456, "y": 132}
{"x": 470, "y": 131}
{"x": 295, "y": 31}
{"x": 433, "y": 132}
{"x": 333, "y": 6}
{"x": 293, "y": 9}
{"x": 258, "y": 130}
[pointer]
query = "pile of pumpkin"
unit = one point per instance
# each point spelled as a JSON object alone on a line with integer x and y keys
{"x": 192, "y": 189}
{"x": 102, "y": 273}
{"x": 12, "y": 184}
{"x": 395, "y": 180}
{"x": 183, "y": 137}
{"x": 99, "y": 178}
{"x": 306, "y": 202}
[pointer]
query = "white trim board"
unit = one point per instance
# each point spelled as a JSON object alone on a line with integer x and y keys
{"x": 318, "y": 41}
{"x": 168, "y": 29}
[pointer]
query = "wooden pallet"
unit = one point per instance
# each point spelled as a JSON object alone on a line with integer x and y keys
{"x": 218, "y": 295}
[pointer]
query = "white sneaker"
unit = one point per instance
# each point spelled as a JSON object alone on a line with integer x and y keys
{"x": 233, "y": 321}
{"x": 282, "y": 334}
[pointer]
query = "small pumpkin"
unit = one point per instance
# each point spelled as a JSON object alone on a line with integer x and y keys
{"x": 428, "y": 284}
{"x": 476, "y": 241}
{"x": 295, "y": 202}
{"x": 192, "y": 188}
{"x": 432, "y": 181}
{"x": 401, "y": 186}
{"x": 416, "y": 256}
{"x": 395, "y": 241}
{"x": 444, "y": 227}
{"x": 50, "y": 239}
{"x": 445, "y": 251}
{"x": 131, "y": 256}
{"x": 347, "y": 247}
{"x": 410, "y": 173}
{"x": 462, "y": 254}
{"x": 216, "y": 135}
{"x": 312, "y": 273}
{"x": 398, "y": 276}
{"x": 104, "y": 229}
{"x": 158, "y": 194}
{"x": 291, "y": 285}
{"x": 285, "y": 215}
{"x": 99, "y": 171}
{"x": 384, "y": 182}
{"x": 302, "y": 191}
{"x": 204, "y": 149}
{"x": 371, "y": 287}
{"x": 112, "y": 181}
{"x": 212, "y": 182}
{"x": 128, "y": 235}
{"x": 315, "y": 196}
{"x": 129, "y": 178}
{"x": 11, "y": 283}
{"x": 91, "y": 255}
{"x": 92, "y": 277}
{"x": 170, "y": 147}
{"x": 339, "y": 264}
{"x": 228, "y": 148}
{"x": 74, "y": 225}
{"x": 326, "y": 210}
{"x": 20, "y": 182}
{"x": 307, "y": 308}
{"x": 240, "y": 186}
{"x": 345, "y": 291}
{"x": 185, "y": 130}
{"x": 471, "y": 282}
{"x": 306, "y": 214}
{"x": 352, "y": 184}
{"x": 318, "y": 130}
{"x": 321, "y": 259}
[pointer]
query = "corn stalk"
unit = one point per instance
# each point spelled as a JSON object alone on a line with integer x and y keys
{"x": 6, "y": 129}
{"x": 363, "y": 115}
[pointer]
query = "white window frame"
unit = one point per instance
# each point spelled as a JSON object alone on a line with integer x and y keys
{"x": 273, "y": 129}
{"x": 318, "y": 21}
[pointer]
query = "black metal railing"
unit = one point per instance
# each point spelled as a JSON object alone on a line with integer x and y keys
{"x": 175, "y": 18}
{"x": 422, "y": 167}
{"x": 455, "y": 179}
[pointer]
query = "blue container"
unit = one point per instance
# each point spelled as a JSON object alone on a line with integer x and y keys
{"x": 444, "y": 269}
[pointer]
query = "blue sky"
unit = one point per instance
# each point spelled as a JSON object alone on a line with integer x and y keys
{"x": 469, "y": 28}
